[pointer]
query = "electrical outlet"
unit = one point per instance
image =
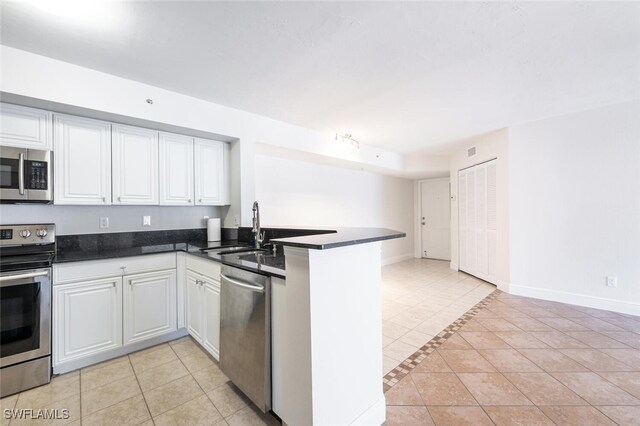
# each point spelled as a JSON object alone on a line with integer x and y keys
{"x": 236, "y": 220}
{"x": 612, "y": 282}
{"x": 104, "y": 222}
{"x": 146, "y": 220}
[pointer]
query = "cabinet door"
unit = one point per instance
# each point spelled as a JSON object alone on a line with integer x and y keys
{"x": 194, "y": 306}
{"x": 210, "y": 172}
{"x": 87, "y": 318}
{"x": 149, "y": 305}
{"x": 135, "y": 165}
{"x": 82, "y": 158}
{"x": 24, "y": 127}
{"x": 176, "y": 170}
{"x": 211, "y": 332}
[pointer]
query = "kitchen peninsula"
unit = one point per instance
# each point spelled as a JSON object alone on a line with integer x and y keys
{"x": 325, "y": 308}
{"x": 332, "y": 351}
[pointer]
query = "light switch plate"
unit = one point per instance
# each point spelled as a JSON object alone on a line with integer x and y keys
{"x": 104, "y": 222}
{"x": 146, "y": 220}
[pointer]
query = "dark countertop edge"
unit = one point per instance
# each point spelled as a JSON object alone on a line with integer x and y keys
{"x": 271, "y": 272}
{"x": 341, "y": 238}
{"x": 192, "y": 248}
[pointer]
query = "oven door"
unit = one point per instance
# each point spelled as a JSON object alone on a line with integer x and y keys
{"x": 12, "y": 173}
{"x": 25, "y": 315}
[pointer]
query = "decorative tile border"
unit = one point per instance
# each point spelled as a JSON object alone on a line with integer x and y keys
{"x": 398, "y": 373}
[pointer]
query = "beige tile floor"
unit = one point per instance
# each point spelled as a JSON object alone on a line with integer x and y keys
{"x": 420, "y": 298}
{"x": 522, "y": 361}
{"x": 179, "y": 384}
{"x": 170, "y": 384}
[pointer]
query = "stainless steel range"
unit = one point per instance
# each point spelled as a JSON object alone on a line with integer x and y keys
{"x": 26, "y": 256}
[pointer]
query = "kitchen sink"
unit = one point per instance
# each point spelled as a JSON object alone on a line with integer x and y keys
{"x": 242, "y": 249}
{"x": 253, "y": 255}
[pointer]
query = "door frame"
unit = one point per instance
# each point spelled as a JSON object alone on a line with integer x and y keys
{"x": 418, "y": 211}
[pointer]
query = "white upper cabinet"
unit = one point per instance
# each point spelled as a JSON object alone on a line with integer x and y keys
{"x": 82, "y": 161}
{"x": 134, "y": 165}
{"x": 211, "y": 181}
{"x": 24, "y": 127}
{"x": 176, "y": 170}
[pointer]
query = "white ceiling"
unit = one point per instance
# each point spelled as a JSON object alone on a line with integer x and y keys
{"x": 406, "y": 76}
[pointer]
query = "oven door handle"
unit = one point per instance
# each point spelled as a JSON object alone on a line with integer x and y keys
{"x": 21, "y": 173}
{"x": 23, "y": 276}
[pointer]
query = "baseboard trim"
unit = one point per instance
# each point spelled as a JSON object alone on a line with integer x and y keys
{"x": 374, "y": 415}
{"x": 396, "y": 259}
{"x": 621, "y": 306}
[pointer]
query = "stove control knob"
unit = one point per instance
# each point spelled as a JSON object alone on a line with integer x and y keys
{"x": 25, "y": 233}
{"x": 41, "y": 233}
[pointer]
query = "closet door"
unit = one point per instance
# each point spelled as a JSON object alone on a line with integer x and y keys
{"x": 477, "y": 222}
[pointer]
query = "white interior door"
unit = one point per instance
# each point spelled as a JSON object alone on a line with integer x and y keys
{"x": 435, "y": 219}
{"x": 477, "y": 220}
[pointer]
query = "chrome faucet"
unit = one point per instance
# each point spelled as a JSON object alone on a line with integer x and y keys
{"x": 257, "y": 235}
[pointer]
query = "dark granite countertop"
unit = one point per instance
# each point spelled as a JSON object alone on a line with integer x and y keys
{"x": 263, "y": 263}
{"x": 77, "y": 248}
{"x": 266, "y": 263}
{"x": 340, "y": 238}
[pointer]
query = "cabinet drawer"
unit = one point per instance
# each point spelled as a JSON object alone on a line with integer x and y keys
{"x": 91, "y": 269}
{"x": 206, "y": 267}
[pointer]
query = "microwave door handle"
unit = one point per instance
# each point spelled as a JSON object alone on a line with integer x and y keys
{"x": 21, "y": 173}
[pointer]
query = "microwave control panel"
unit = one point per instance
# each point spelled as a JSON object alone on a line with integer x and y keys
{"x": 36, "y": 175}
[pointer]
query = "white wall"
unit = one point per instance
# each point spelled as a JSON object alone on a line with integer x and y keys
{"x": 575, "y": 207}
{"x": 34, "y": 76}
{"x": 298, "y": 193}
{"x": 49, "y": 81}
{"x": 488, "y": 147}
{"x": 71, "y": 220}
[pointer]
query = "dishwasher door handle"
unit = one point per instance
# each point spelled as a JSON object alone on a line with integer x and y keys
{"x": 243, "y": 284}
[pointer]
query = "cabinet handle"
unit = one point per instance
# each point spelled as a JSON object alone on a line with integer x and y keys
{"x": 119, "y": 199}
{"x": 189, "y": 200}
{"x": 104, "y": 199}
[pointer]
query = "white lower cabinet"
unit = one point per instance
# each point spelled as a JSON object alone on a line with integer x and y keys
{"x": 211, "y": 332}
{"x": 203, "y": 304}
{"x": 107, "y": 308}
{"x": 87, "y": 318}
{"x": 149, "y": 305}
{"x": 194, "y": 305}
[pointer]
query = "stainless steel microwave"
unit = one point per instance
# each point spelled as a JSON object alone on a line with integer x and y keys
{"x": 25, "y": 176}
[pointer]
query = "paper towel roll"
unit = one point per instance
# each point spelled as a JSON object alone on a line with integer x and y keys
{"x": 213, "y": 230}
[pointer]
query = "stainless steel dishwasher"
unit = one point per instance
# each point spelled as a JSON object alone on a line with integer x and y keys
{"x": 245, "y": 333}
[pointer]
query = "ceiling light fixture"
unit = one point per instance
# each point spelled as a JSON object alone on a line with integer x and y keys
{"x": 348, "y": 138}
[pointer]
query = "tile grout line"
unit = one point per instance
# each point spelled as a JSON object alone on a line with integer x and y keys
{"x": 198, "y": 383}
{"x": 135, "y": 376}
{"x": 140, "y": 386}
{"x": 400, "y": 371}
